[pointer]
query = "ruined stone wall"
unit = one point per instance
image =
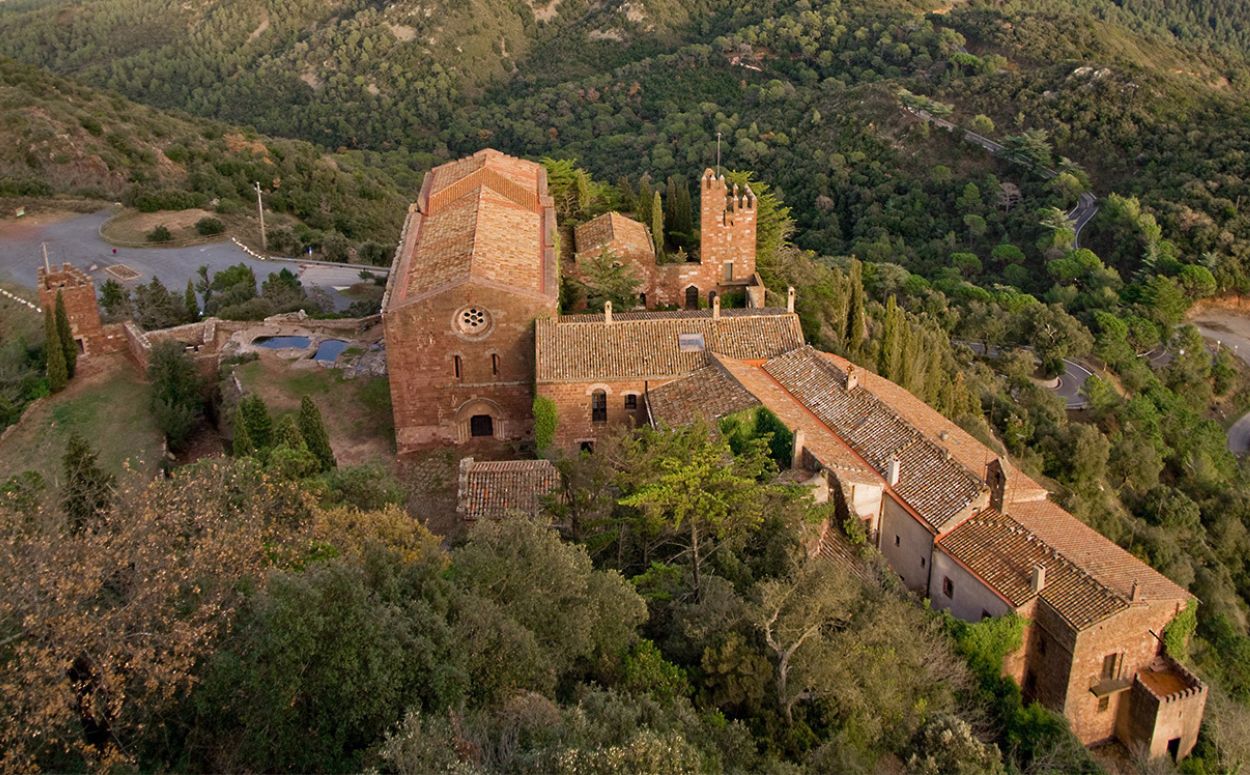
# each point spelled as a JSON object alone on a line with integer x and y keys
{"x": 491, "y": 331}
{"x": 78, "y": 292}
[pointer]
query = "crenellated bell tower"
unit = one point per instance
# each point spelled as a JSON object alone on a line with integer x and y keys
{"x": 727, "y": 228}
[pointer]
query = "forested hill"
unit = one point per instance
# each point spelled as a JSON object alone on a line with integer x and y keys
{"x": 63, "y": 137}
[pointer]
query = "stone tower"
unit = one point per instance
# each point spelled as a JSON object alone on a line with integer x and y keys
{"x": 78, "y": 291}
{"x": 727, "y": 228}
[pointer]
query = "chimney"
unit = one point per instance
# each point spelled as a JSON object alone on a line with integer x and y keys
{"x": 1039, "y": 579}
{"x": 996, "y": 478}
{"x": 715, "y": 308}
{"x": 607, "y": 312}
{"x": 790, "y": 299}
{"x": 892, "y": 471}
{"x": 798, "y": 445}
{"x": 852, "y": 377}
{"x": 1135, "y": 592}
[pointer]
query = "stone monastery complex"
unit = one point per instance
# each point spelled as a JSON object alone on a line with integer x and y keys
{"x": 473, "y": 333}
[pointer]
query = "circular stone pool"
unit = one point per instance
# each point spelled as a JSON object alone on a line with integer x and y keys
{"x": 281, "y": 342}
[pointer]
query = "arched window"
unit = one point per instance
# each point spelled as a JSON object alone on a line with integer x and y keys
{"x": 692, "y": 298}
{"x": 599, "y": 406}
{"x": 642, "y": 300}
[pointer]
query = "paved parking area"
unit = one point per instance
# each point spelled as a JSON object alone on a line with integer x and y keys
{"x": 76, "y": 240}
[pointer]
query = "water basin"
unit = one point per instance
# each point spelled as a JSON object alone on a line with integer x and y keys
{"x": 329, "y": 350}
{"x": 281, "y": 342}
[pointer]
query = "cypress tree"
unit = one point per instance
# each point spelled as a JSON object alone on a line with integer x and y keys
{"x": 286, "y": 434}
{"x": 314, "y": 433}
{"x": 256, "y": 417}
{"x": 657, "y": 224}
{"x": 241, "y": 445}
{"x": 88, "y": 488}
{"x": 54, "y": 354}
{"x": 890, "y": 358}
{"x": 66, "y": 334}
{"x": 856, "y": 322}
{"x": 189, "y": 301}
{"x": 644, "y": 198}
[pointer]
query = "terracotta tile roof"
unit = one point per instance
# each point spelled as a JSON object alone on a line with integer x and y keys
{"x": 708, "y": 393}
{"x": 963, "y": 446}
{"x": 613, "y": 231}
{"x": 1002, "y": 553}
{"x": 486, "y": 217}
{"x": 648, "y": 345}
{"x": 494, "y": 489}
{"x": 1092, "y": 551}
{"x": 930, "y": 481}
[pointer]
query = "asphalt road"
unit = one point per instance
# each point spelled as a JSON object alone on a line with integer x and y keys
{"x": 76, "y": 240}
{"x": 1070, "y": 386}
{"x": 1085, "y": 210}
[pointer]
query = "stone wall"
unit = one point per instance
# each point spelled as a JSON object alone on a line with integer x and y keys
{"x": 574, "y": 422}
{"x": 426, "y": 339}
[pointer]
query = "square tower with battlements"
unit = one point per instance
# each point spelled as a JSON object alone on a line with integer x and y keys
{"x": 727, "y": 228}
{"x": 78, "y": 292}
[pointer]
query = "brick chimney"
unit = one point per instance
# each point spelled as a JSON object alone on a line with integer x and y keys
{"x": 1135, "y": 592}
{"x": 790, "y": 299}
{"x": 607, "y": 312}
{"x": 716, "y": 308}
{"x": 1038, "y": 581}
{"x": 996, "y": 479}
{"x": 797, "y": 446}
{"x": 852, "y": 377}
{"x": 892, "y": 471}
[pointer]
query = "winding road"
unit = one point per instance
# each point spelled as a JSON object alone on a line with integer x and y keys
{"x": 1070, "y": 386}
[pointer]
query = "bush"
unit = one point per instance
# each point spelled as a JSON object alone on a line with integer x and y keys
{"x": 544, "y": 422}
{"x": 160, "y": 234}
{"x": 209, "y": 226}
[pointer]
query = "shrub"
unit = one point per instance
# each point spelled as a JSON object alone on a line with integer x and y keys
{"x": 544, "y": 422}
{"x": 160, "y": 234}
{"x": 209, "y": 226}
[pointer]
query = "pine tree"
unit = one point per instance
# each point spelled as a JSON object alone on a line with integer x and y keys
{"x": 88, "y": 489}
{"x": 241, "y": 444}
{"x": 856, "y": 322}
{"x": 256, "y": 417}
{"x": 314, "y": 433}
{"x": 66, "y": 334}
{"x": 657, "y": 224}
{"x": 54, "y": 354}
{"x": 190, "y": 303}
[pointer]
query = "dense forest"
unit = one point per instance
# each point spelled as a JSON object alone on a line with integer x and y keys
{"x": 888, "y": 225}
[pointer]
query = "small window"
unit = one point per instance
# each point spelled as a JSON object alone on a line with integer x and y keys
{"x": 948, "y": 587}
{"x": 922, "y": 562}
{"x": 642, "y": 300}
{"x": 631, "y": 401}
{"x": 599, "y": 406}
{"x": 587, "y": 446}
{"x": 690, "y": 343}
{"x": 1108, "y": 666}
{"x": 1103, "y": 703}
{"x": 494, "y": 364}
{"x": 897, "y": 540}
{"x": 729, "y": 271}
{"x": 459, "y": 368}
{"x": 984, "y": 614}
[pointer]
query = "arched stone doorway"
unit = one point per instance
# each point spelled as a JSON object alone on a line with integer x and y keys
{"x": 692, "y": 298}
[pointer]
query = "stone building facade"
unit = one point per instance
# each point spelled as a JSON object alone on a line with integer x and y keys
{"x": 475, "y": 267}
{"x": 724, "y": 265}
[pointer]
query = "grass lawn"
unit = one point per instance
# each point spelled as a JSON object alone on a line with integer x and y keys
{"x": 357, "y": 412}
{"x": 107, "y": 403}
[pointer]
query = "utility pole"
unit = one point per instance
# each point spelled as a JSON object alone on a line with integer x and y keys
{"x": 46, "y": 266}
{"x": 260, "y": 208}
{"x": 718, "y": 154}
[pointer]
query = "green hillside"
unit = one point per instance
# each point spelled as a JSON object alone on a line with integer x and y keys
{"x": 63, "y": 137}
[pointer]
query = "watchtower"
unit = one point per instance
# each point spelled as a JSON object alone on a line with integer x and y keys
{"x": 727, "y": 228}
{"x": 78, "y": 292}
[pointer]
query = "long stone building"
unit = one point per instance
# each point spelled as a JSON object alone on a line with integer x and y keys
{"x": 473, "y": 334}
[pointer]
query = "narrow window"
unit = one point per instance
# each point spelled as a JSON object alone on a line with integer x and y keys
{"x": 948, "y": 587}
{"x": 459, "y": 369}
{"x": 897, "y": 540}
{"x": 599, "y": 406}
{"x": 631, "y": 401}
{"x": 729, "y": 271}
{"x": 1108, "y": 666}
{"x": 642, "y": 299}
{"x": 922, "y": 562}
{"x": 494, "y": 364}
